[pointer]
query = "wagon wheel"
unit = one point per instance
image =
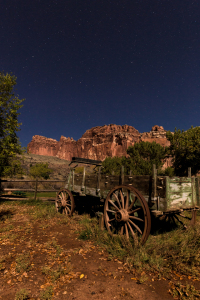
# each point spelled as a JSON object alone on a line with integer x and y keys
{"x": 186, "y": 218}
{"x": 126, "y": 212}
{"x": 65, "y": 202}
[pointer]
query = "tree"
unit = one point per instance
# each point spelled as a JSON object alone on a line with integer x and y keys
{"x": 112, "y": 164}
{"x": 143, "y": 155}
{"x": 40, "y": 170}
{"x": 141, "y": 158}
{"x": 185, "y": 150}
{"x": 9, "y": 125}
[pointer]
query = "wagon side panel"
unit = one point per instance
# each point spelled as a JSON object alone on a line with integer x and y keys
{"x": 180, "y": 193}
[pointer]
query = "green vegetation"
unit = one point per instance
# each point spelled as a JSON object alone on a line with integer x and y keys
{"x": 185, "y": 150}
{"x": 22, "y": 294}
{"x": 47, "y": 293}
{"x": 167, "y": 251}
{"x": 41, "y": 194}
{"x": 112, "y": 165}
{"x": 14, "y": 168}
{"x": 170, "y": 252}
{"x": 141, "y": 158}
{"x": 23, "y": 262}
{"x": 9, "y": 125}
{"x": 40, "y": 170}
{"x": 143, "y": 155}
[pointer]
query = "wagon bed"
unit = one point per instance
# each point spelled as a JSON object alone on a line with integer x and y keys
{"x": 131, "y": 200}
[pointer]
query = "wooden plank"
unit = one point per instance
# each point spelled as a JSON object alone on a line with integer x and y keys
{"x": 33, "y": 180}
{"x": 30, "y": 190}
{"x": 86, "y": 161}
{"x": 181, "y": 193}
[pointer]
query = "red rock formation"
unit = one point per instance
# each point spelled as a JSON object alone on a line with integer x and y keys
{"x": 43, "y": 146}
{"x": 157, "y": 134}
{"x": 97, "y": 142}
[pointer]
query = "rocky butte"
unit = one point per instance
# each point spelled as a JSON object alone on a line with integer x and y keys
{"x": 97, "y": 142}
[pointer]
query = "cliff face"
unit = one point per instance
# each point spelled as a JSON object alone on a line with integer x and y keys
{"x": 97, "y": 142}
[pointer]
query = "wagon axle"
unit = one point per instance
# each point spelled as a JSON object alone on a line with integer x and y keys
{"x": 122, "y": 215}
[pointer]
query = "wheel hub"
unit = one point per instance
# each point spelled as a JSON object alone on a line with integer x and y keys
{"x": 122, "y": 215}
{"x": 63, "y": 201}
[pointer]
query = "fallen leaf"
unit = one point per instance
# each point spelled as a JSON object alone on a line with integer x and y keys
{"x": 81, "y": 276}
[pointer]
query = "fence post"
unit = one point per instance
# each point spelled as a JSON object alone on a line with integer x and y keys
{"x": 36, "y": 183}
{"x": 189, "y": 172}
{"x": 154, "y": 183}
{"x": 122, "y": 175}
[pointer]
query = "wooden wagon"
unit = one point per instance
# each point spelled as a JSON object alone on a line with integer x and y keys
{"x": 130, "y": 201}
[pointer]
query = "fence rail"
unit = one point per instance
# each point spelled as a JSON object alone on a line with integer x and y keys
{"x": 35, "y": 190}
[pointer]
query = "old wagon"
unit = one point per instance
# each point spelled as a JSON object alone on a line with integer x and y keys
{"x": 130, "y": 201}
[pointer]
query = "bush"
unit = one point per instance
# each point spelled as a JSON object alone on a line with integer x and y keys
{"x": 40, "y": 170}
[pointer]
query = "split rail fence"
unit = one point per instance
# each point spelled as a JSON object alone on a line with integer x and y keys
{"x": 14, "y": 185}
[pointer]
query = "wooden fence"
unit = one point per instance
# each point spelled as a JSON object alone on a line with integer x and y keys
{"x": 35, "y": 189}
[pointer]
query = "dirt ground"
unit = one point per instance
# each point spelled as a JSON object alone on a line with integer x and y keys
{"x": 40, "y": 256}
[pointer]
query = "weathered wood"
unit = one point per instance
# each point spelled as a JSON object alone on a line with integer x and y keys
{"x": 98, "y": 181}
{"x": 29, "y": 190}
{"x": 72, "y": 179}
{"x": 83, "y": 181}
{"x": 122, "y": 175}
{"x": 189, "y": 172}
{"x": 154, "y": 183}
{"x": 86, "y": 161}
{"x": 36, "y": 183}
{"x": 180, "y": 193}
{"x": 24, "y": 180}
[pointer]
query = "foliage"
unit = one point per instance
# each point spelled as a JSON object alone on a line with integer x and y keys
{"x": 47, "y": 293}
{"x": 9, "y": 125}
{"x": 22, "y": 294}
{"x": 141, "y": 158}
{"x": 40, "y": 170}
{"x": 169, "y": 171}
{"x": 169, "y": 251}
{"x": 23, "y": 262}
{"x": 14, "y": 168}
{"x": 185, "y": 150}
{"x": 112, "y": 165}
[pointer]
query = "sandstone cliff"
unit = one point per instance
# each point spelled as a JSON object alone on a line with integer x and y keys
{"x": 97, "y": 142}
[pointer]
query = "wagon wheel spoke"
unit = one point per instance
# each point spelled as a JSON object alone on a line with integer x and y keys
{"x": 126, "y": 230}
{"x": 112, "y": 211}
{"x": 113, "y": 204}
{"x": 117, "y": 200}
{"x": 127, "y": 200}
{"x": 181, "y": 218}
{"x": 131, "y": 206}
{"x": 133, "y": 234}
{"x": 65, "y": 201}
{"x": 125, "y": 217}
{"x": 136, "y": 218}
{"x": 135, "y": 210}
{"x": 63, "y": 196}
{"x": 175, "y": 216}
{"x": 138, "y": 229}
{"x": 185, "y": 217}
{"x": 122, "y": 198}
{"x": 111, "y": 220}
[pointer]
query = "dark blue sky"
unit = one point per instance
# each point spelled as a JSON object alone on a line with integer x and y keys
{"x": 81, "y": 64}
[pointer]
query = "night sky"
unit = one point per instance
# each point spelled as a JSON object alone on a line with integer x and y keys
{"x": 82, "y": 64}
